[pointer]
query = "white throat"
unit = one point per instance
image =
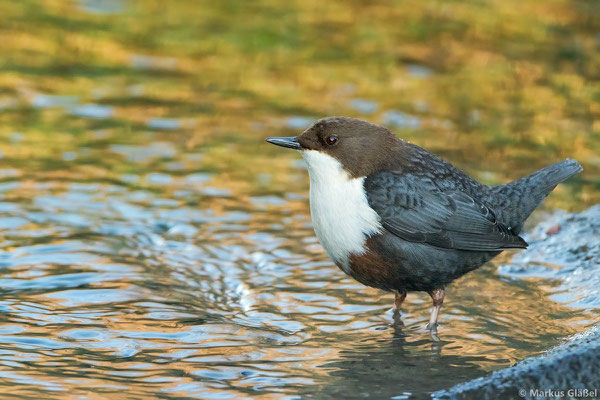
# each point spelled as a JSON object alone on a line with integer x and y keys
{"x": 341, "y": 215}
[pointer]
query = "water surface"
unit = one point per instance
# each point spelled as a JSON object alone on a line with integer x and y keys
{"x": 154, "y": 246}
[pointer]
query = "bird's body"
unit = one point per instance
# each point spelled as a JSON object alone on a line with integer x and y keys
{"x": 396, "y": 217}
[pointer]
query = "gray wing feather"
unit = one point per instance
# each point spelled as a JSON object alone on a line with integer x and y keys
{"x": 416, "y": 210}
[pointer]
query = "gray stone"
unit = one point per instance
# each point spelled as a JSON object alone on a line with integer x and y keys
{"x": 565, "y": 368}
{"x": 565, "y": 248}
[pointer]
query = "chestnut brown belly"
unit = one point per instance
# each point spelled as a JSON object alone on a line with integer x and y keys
{"x": 390, "y": 263}
{"x": 371, "y": 269}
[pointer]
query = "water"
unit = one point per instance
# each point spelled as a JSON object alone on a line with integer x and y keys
{"x": 154, "y": 245}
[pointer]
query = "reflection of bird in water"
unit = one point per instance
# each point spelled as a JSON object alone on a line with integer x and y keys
{"x": 397, "y": 217}
{"x": 388, "y": 368}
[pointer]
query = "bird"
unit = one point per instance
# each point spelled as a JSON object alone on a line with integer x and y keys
{"x": 397, "y": 217}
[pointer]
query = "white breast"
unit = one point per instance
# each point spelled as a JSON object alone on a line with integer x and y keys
{"x": 341, "y": 215}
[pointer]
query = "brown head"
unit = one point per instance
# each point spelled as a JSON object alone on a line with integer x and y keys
{"x": 360, "y": 146}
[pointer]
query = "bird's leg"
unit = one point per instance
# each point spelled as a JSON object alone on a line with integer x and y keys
{"x": 437, "y": 296}
{"x": 400, "y": 296}
{"x": 399, "y": 299}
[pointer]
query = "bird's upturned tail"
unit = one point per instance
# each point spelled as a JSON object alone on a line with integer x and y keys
{"x": 521, "y": 197}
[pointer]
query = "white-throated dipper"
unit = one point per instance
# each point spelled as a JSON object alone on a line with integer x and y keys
{"x": 396, "y": 217}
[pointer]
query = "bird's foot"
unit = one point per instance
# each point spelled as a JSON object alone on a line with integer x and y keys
{"x": 438, "y": 299}
{"x": 397, "y": 318}
{"x": 399, "y": 297}
{"x": 432, "y": 326}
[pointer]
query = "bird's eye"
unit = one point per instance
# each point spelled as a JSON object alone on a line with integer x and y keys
{"x": 331, "y": 140}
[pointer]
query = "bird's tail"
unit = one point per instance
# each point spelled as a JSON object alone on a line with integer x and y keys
{"x": 521, "y": 197}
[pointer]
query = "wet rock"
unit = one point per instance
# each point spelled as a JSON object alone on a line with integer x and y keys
{"x": 570, "y": 244}
{"x": 562, "y": 370}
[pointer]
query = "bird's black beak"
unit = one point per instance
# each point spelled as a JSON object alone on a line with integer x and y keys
{"x": 289, "y": 142}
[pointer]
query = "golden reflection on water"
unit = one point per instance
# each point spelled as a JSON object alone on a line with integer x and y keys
{"x": 154, "y": 244}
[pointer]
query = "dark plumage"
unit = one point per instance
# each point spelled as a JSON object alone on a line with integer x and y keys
{"x": 437, "y": 223}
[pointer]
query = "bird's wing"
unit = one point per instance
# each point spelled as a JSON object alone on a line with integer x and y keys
{"x": 416, "y": 210}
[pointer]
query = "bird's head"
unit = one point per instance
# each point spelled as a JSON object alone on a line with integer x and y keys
{"x": 359, "y": 147}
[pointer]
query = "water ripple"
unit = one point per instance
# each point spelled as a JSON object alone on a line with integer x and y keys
{"x": 154, "y": 246}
